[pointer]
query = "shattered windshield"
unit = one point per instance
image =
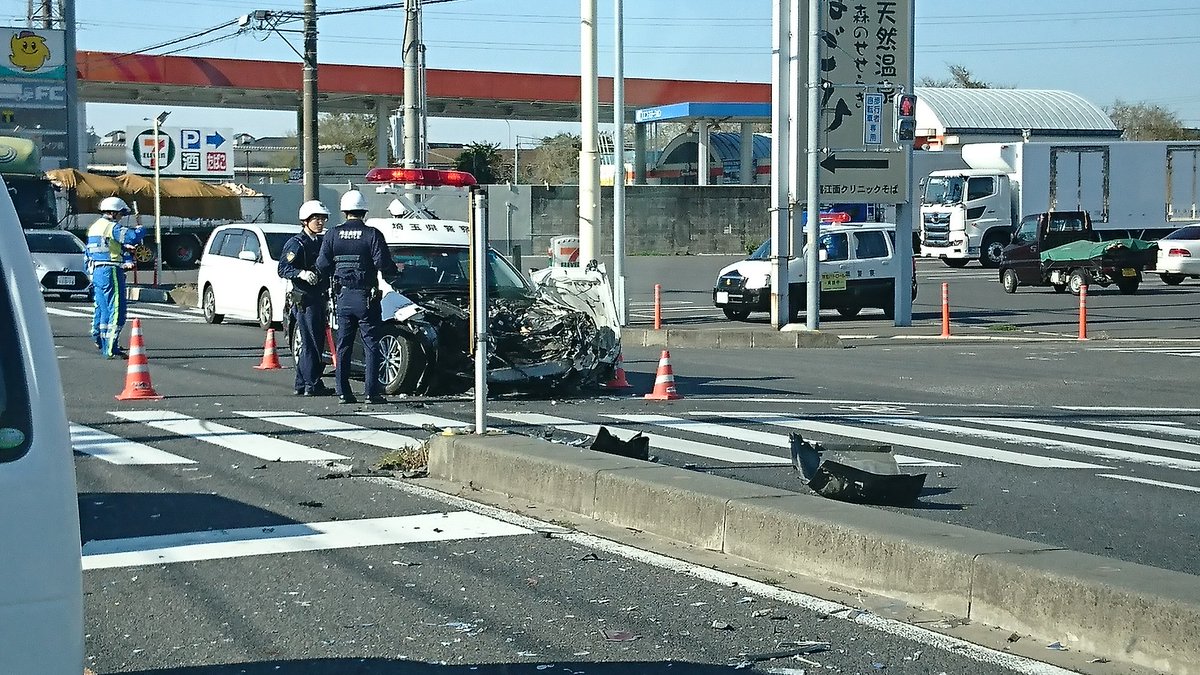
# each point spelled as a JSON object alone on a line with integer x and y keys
{"x": 943, "y": 190}
{"x": 432, "y": 268}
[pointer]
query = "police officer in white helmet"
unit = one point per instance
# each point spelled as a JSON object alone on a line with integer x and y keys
{"x": 308, "y": 298}
{"x": 354, "y": 255}
{"x": 108, "y": 255}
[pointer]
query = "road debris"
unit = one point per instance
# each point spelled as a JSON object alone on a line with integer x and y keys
{"x": 620, "y": 635}
{"x": 855, "y": 472}
{"x": 787, "y": 650}
{"x": 1057, "y": 646}
{"x": 722, "y": 625}
{"x": 637, "y": 447}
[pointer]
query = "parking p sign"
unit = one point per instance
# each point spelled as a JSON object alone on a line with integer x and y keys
{"x": 188, "y": 152}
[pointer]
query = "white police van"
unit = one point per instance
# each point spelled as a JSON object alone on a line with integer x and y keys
{"x": 41, "y": 581}
{"x": 858, "y": 270}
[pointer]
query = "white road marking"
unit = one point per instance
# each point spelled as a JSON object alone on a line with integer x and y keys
{"x": 117, "y": 450}
{"x": 66, "y": 312}
{"x": 726, "y": 431}
{"x": 160, "y": 313}
{"x": 1147, "y": 481}
{"x": 250, "y": 541}
{"x": 1090, "y": 434}
{"x": 1166, "y": 428}
{"x": 1006, "y": 437}
{"x": 421, "y": 420}
{"x": 686, "y": 447}
{"x": 334, "y": 428}
{"x": 771, "y": 593}
{"x": 906, "y": 440}
{"x": 255, "y": 445}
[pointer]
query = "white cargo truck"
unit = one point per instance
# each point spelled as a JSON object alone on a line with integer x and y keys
{"x": 1139, "y": 189}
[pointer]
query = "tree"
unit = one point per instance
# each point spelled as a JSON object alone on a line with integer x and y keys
{"x": 960, "y": 78}
{"x": 1148, "y": 122}
{"x": 481, "y": 160}
{"x": 352, "y": 132}
{"x": 557, "y": 160}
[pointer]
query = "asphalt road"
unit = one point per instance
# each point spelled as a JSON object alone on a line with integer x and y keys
{"x": 216, "y": 543}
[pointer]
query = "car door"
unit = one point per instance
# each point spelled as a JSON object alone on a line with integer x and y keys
{"x": 836, "y": 267}
{"x": 1022, "y": 254}
{"x": 229, "y": 282}
{"x": 872, "y": 275}
{"x": 212, "y": 265}
{"x": 245, "y": 276}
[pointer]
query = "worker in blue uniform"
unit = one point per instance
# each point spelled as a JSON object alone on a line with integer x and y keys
{"x": 353, "y": 255}
{"x": 309, "y": 297}
{"x": 109, "y": 245}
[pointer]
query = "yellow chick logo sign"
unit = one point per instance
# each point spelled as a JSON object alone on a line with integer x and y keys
{"x": 29, "y": 51}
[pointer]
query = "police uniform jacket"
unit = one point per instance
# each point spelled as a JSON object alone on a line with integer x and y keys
{"x": 354, "y": 255}
{"x": 300, "y": 254}
{"x": 107, "y": 240}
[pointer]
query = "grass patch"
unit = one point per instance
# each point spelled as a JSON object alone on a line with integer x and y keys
{"x": 1002, "y": 327}
{"x": 405, "y": 459}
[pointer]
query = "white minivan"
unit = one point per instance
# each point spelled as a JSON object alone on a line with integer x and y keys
{"x": 41, "y": 578}
{"x": 239, "y": 273}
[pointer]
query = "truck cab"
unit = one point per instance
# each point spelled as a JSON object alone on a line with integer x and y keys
{"x": 966, "y": 215}
{"x": 29, "y": 188}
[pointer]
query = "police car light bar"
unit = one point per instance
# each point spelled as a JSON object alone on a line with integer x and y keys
{"x": 835, "y": 217}
{"x": 427, "y": 177}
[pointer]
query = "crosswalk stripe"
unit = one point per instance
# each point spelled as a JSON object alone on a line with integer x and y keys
{"x": 682, "y": 446}
{"x": 66, "y": 312}
{"x": 1148, "y": 481}
{"x": 1090, "y": 434}
{"x": 1166, "y": 428}
{"x": 255, "y": 445}
{"x": 1006, "y": 437}
{"x": 117, "y": 450}
{"x": 907, "y": 440}
{"x": 334, "y": 428}
{"x": 160, "y": 313}
{"x": 250, "y": 541}
{"x": 421, "y": 420}
{"x": 725, "y": 431}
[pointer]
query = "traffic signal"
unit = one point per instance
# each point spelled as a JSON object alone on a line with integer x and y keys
{"x": 906, "y": 117}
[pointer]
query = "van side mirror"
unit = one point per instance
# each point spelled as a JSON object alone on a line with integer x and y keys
{"x": 249, "y": 256}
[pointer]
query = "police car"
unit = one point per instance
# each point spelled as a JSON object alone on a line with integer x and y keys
{"x": 538, "y": 336}
{"x": 857, "y": 267}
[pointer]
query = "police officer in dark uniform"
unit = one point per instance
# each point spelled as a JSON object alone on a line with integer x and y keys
{"x": 309, "y": 296}
{"x": 353, "y": 255}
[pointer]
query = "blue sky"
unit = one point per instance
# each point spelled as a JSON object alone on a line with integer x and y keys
{"x": 1100, "y": 49}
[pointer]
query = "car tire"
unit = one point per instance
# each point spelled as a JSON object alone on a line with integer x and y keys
{"x": 295, "y": 345}
{"x": 210, "y": 307}
{"x": 402, "y": 366}
{"x": 736, "y": 314}
{"x": 992, "y": 251}
{"x": 1008, "y": 279}
{"x": 181, "y": 251}
{"x": 265, "y": 310}
{"x": 1077, "y": 279}
{"x": 1171, "y": 279}
{"x": 849, "y": 312}
{"x": 956, "y": 263}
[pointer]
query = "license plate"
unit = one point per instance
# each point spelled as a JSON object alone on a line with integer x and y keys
{"x": 1128, "y": 272}
{"x": 722, "y": 298}
{"x": 833, "y": 281}
{"x": 64, "y": 280}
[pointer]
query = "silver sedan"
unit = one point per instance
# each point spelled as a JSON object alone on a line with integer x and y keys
{"x": 60, "y": 262}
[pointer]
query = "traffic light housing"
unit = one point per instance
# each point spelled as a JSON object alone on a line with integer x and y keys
{"x": 906, "y": 117}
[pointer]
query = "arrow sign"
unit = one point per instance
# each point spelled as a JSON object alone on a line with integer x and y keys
{"x": 832, "y": 164}
{"x": 215, "y": 139}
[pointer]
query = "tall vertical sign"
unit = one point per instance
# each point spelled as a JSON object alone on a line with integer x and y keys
{"x": 33, "y": 90}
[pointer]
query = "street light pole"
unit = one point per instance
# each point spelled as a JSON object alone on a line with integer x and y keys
{"x": 309, "y": 142}
{"x": 158, "y": 195}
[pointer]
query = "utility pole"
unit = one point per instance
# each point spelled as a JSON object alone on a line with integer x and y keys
{"x": 412, "y": 78}
{"x": 589, "y": 155}
{"x": 309, "y": 141}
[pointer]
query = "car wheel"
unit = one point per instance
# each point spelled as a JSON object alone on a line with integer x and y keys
{"x": 1009, "y": 280}
{"x": 736, "y": 314}
{"x": 992, "y": 251}
{"x": 956, "y": 263}
{"x": 1077, "y": 280}
{"x": 265, "y": 310}
{"x": 210, "y": 307}
{"x": 181, "y": 251}
{"x": 143, "y": 256}
{"x": 402, "y": 364}
{"x": 295, "y": 344}
{"x": 1171, "y": 279}
{"x": 849, "y": 312}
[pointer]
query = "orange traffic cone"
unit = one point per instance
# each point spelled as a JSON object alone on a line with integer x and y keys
{"x": 619, "y": 381}
{"x": 137, "y": 374}
{"x": 664, "y": 381}
{"x": 270, "y": 360}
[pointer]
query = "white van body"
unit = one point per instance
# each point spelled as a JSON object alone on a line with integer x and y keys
{"x": 41, "y": 580}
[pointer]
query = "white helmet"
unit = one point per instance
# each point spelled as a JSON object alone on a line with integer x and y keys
{"x": 114, "y": 205}
{"x": 353, "y": 201}
{"x": 312, "y": 208}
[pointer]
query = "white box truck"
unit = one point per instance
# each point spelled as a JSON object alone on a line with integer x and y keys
{"x": 1139, "y": 189}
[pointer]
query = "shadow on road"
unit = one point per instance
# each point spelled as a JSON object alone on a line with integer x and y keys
{"x": 369, "y": 666}
{"x": 122, "y": 515}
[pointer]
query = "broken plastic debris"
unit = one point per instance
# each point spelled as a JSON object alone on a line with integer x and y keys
{"x": 721, "y": 625}
{"x": 855, "y": 472}
{"x": 620, "y": 635}
{"x": 1056, "y": 646}
{"x": 637, "y": 447}
{"x": 785, "y": 650}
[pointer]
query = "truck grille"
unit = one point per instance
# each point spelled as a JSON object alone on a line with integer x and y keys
{"x": 935, "y": 229}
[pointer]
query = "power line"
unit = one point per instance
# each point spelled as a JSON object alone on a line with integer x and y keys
{"x": 185, "y": 38}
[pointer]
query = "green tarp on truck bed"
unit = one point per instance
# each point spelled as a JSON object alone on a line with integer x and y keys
{"x": 1086, "y": 250}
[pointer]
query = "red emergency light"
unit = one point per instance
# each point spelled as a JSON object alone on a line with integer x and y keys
{"x": 427, "y": 177}
{"x": 838, "y": 217}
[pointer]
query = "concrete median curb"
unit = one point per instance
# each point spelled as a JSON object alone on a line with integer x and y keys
{"x": 1133, "y": 613}
{"x": 148, "y": 294}
{"x": 670, "y": 338}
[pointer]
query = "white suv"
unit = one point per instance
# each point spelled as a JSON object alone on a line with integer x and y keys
{"x": 858, "y": 270}
{"x": 239, "y": 273}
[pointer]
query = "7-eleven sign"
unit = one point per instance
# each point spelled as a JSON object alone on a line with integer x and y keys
{"x": 148, "y": 156}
